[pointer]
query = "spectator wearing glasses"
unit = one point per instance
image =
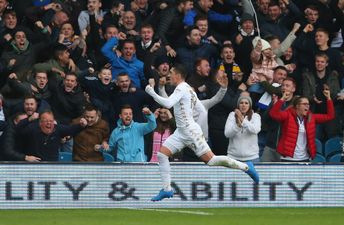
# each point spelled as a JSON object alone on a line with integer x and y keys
{"x": 297, "y": 140}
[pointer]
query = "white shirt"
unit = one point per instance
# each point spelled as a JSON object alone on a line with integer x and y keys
{"x": 200, "y": 113}
{"x": 183, "y": 100}
{"x": 145, "y": 46}
{"x": 243, "y": 141}
{"x": 300, "y": 152}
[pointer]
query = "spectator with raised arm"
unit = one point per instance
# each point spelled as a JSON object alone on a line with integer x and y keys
{"x": 127, "y": 62}
{"x": 297, "y": 141}
{"x": 314, "y": 82}
{"x": 45, "y": 136}
{"x": 95, "y": 133}
{"x": 171, "y": 27}
{"x": 127, "y": 140}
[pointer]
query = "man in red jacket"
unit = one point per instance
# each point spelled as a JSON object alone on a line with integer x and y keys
{"x": 297, "y": 141}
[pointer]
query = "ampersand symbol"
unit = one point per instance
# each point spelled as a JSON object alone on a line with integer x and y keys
{"x": 124, "y": 189}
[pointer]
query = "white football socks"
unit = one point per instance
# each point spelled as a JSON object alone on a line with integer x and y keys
{"x": 165, "y": 170}
{"x": 225, "y": 161}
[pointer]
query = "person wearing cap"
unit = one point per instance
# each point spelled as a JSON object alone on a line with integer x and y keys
{"x": 242, "y": 43}
{"x": 242, "y": 128}
{"x": 161, "y": 75}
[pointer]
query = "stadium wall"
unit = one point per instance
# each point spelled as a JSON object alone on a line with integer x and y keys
{"x": 113, "y": 185}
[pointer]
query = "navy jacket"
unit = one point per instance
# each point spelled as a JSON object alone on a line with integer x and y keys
{"x": 42, "y": 145}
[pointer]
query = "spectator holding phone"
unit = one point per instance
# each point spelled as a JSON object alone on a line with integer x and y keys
{"x": 314, "y": 83}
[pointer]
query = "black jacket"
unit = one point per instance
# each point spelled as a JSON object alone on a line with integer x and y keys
{"x": 66, "y": 105}
{"x": 42, "y": 145}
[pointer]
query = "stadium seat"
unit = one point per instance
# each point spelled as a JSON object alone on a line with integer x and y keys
{"x": 319, "y": 158}
{"x": 319, "y": 147}
{"x": 65, "y": 157}
{"x": 333, "y": 146}
{"x": 335, "y": 158}
{"x": 107, "y": 157}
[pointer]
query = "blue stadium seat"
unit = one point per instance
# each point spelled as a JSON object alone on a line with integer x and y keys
{"x": 333, "y": 146}
{"x": 335, "y": 157}
{"x": 319, "y": 147}
{"x": 108, "y": 157}
{"x": 65, "y": 157}
{"x": 319, "y": 158}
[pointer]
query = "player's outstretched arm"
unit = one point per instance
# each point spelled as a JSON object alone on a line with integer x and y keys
{"x": 165, "y": 102}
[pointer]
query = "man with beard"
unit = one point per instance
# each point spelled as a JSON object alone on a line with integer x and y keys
{"x": 95, "y": 133}
{"x": 125, "y": 95}
{"x": 45, "y": 136}
{"x": 129, "y": 25}
{"x": 200, "y": 77}
{"x": 127, "y": 140}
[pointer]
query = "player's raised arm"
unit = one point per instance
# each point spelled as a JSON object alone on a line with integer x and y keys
{"x": 177, "y": 77}
{"x": 165, "y": 102}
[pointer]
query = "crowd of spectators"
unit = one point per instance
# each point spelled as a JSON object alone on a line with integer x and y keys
{"x": 73, "y": 74}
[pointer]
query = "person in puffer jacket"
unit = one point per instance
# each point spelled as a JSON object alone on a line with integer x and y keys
{"x": 297, "y": 141}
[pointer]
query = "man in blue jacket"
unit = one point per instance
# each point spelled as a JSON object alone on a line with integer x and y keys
{"x": 127, "y": 62}
{"x": 127, "y": 140}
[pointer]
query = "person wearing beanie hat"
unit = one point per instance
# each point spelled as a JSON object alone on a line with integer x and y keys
{"x": 263, "y": 62}
{"x": 242, "y": 128}
{"x": 161, "y": 74}
{"x": 265, "y": 45}
{"x": 161, "y": 60}
{"x": 246, "y": 17}
{"x": 242, "y": 43}
{"x": 248, "y": 98}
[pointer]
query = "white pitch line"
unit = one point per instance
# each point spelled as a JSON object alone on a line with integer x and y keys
{"x": 175, "y": 211}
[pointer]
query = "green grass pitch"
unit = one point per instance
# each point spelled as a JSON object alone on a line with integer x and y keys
{"x": 200, "y": 216}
